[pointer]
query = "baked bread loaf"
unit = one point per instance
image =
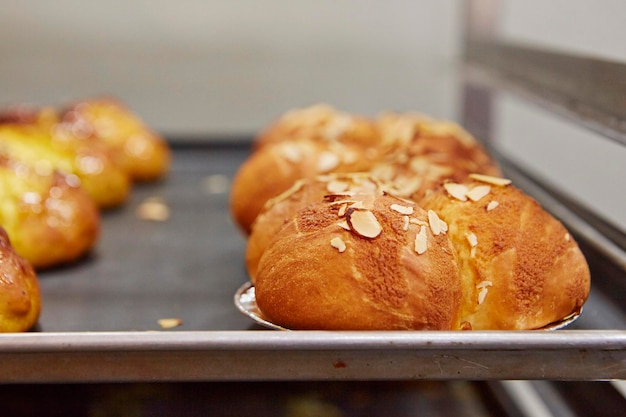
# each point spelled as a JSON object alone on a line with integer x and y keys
{"x": 520, "y": 268}
{"x": 50, "y": 219}
{"x": 20, "y": 298}
{"x": 364, "y": 269}
{"x": 480, "y": 255}
{"x": 274, "y": 168}
{"x": 140, "y": 152}
{"x": 420, "y": 233}
{"x": 280, "y": 209}
{"x": 38, "y": 139}
{"x": 411, "y": 152}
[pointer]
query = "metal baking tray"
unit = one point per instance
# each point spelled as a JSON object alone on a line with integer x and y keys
{"x": 100, "y": 319}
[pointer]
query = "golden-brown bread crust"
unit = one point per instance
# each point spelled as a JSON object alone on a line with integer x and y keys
{"x": 317, "y": 275}
{"x": 53, "y": 145}
{"x": 274, "y": 168}
{"x": 20, "y": 298}
{"x": 520, "y": 267}
{"x": 321, "y": 123}
{"x": 495, "y": 260}
{"x": 412, "y": 152}
{"x": 422, "y": 152}
{"x": 280, "y": 209}
{"x": 49, "y": 217}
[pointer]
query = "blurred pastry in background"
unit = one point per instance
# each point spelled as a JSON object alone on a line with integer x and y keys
{"x": 137, "y": 149}
{"x": 48, "y": 216}
{"x": 36, "y": 137}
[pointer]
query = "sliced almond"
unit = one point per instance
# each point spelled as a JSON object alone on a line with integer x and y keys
{"x": 339, "y": 199}
{"x": 338, "y": 244}
{"x": 297, "y": 185}
{"x": 357, "y": 205}
{"x": 342, "y": 209}
{"x": 402, "y": 209}
{"x": 407, "y": 185}
{"x": 458, "y": 191}
{"x": 492, "y": 204}
{"x": 443, "y": 226}
{"x": 421, "y": 241}
{"x": 413, "y": 220}
{"x": 483, "y": 284}
{"x": 169, "y": 323}
{"x": 567, "y": 237}
{"x": 363, "y": 222}
{"x": 344, "y": 225}
{"x": 405, "y": 226}
{"x": 436, "y": 224}
{"x": 337, "y": 186}
{"x": 292, "y": 153}
{"x": 153, "y": 209}
{"x": 490, "y": 179}
{"x": 482, "y": 294}
{"x": 472, "y": 239}
{"x": 478, "y": 192}
{"x": 327, "y": 161}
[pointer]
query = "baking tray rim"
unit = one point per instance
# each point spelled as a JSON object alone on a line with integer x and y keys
{"x": 312, "y": 340}
{"x": 266, "y": 355}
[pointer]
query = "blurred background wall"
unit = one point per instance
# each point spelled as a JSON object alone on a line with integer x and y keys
{"x": 210, "y": 66}
{"x": 206, "y": 67}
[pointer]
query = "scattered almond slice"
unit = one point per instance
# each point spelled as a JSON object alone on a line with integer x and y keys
{"x": 342, "y": 209}
{"x": 405, "y": 226}
{"x": 402, "y": 209}
{"x": 483, "y": 284}
{"x": 443, "y": 226}
{"x": 492, "y": 204}
{"x": 363, "y": 222}
{"x": 154, "y": 209}
{"x": 472, "y": 239}
{"x": 567, "y": 237}
{"x": 291, "y": 153}
{"x": 357, "y": 205}
{"x": 338, "y": 244}
{"x": 482, "y": 295}
{"x": 297, "y": 185}
{"x": 169, "y": 323}
{"x": 490, "y": 179}
{"x": 421, "y": 241}
{"x": 344, "y": 225}
{"x": 478, "y": 192}
{"x": 336, "y": 186}
{"x": 437, "y": 225}
{"x": 327, "y": 161}
{"x": 458, "y": 191}
{"x": 413, "y": 220}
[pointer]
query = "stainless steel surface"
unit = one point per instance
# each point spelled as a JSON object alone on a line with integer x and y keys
{"x": 245, "y": 301}
{"x": 315, "y": 355}
{"x": 588, "y": 91}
